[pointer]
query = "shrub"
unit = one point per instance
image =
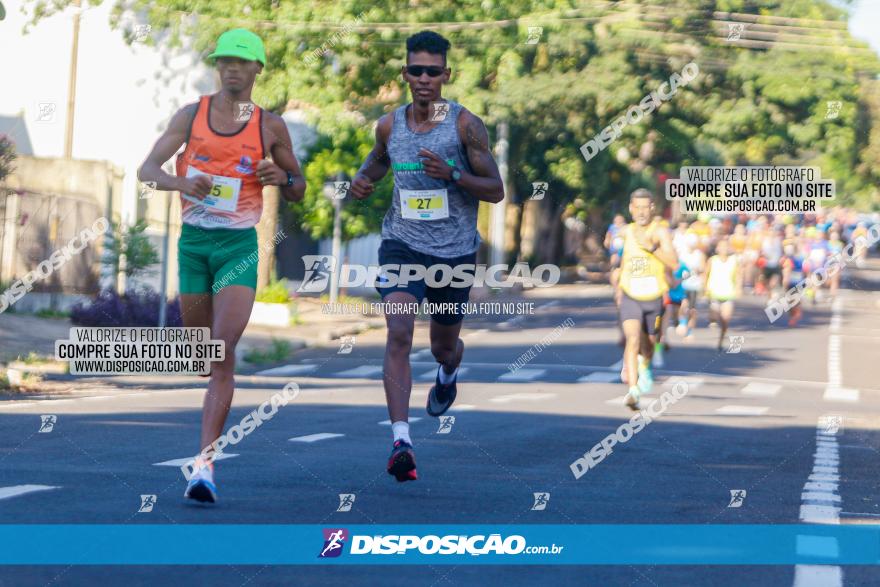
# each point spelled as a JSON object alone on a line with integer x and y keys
{"x": 274, "y": 293}
{"x": 134, "y": 308}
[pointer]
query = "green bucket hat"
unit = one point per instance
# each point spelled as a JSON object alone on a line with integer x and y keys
{"x": 240, "y": 43}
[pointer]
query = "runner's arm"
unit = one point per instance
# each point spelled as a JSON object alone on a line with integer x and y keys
{"x": 168, "y": 144}
{"x": 665, "y": 252}
{"x": 282, "y": 155}
{"x": 485, "y": 183}
{"x": 378, "y": 162}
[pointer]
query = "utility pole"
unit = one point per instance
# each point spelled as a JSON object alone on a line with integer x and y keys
{"x": 499, "y": 210}
{"x": 71, "y": 83}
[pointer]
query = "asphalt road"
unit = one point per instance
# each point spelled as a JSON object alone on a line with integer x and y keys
{"x": 748, "y": 422}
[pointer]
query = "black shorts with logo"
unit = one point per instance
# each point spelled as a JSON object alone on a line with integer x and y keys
{"x": 395, "y": 252}
{"x": 647, "y": 313}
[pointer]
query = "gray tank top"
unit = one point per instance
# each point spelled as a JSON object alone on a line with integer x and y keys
{"x": 451, "y": 236}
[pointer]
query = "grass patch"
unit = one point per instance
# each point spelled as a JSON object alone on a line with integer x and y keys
{"x": 277, "y": 351}
{"x": 47, "y": 313}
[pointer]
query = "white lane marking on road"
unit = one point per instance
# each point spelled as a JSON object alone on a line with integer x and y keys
{"x": 835, "y": 392}
{"x": 742, "y": 410}
{"x": 530, "y": 397}
{"x": 362, "y": 371}
{"x": 475, "y": 332}
{"x": 600, "y": 377}
{"x": 462, "y": 408}
{"x": 432, "y": 374}
{"x": 16, "y": 490}
{"x": 817, "y": 576}
{"x": 388, "y": 422}
{"x": 523, "y": 375}
{"x": 691, "y": 382}
{"x": 548, "y": 305}
{"x": 94, "y": 397}
{"x": 182, "y": 462}
{"x": 617, "y": 366}
{"x": 315, "y": 437}
{"x": 420, "y": 354}
{"x": 818, "y": 501}
{"x": 761, "y": 389}
{"x": 287, "y": 370}
{"x": 841, "y": 394}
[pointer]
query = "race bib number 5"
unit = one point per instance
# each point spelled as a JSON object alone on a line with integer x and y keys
{"x": 224, "y": 191}
{"x": 424, "y": 204}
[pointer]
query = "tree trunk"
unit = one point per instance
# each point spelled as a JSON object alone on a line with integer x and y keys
{"x": 266, "y": 229}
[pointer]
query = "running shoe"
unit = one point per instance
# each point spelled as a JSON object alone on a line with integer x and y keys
{"x": 402, "y": 462}
{"x": 441, "y": 396}
{"x": 682, "y": 327}
{"x": 632, "y": 399}
{"x": 657, "y": 359}
{"x": 646, "y": 378}
{"x": 201, "y": 488}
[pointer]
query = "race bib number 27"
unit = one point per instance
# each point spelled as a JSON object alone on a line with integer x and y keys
{"x": 424, "y": 204}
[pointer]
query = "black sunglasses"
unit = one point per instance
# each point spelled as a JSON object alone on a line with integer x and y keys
{"x": 418, "y": 70}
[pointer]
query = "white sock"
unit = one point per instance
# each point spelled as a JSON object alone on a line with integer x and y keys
{"x": 401, "y": 431}
{"x": 444, "y": 378}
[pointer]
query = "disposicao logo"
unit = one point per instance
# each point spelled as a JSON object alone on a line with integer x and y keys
{"x": 334, "y": 541}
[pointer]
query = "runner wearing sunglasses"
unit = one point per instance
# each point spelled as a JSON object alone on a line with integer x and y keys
{"x": 439, "y": 155}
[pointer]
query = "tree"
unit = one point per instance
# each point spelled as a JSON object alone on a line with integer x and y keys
{"x": 7, "y": 156}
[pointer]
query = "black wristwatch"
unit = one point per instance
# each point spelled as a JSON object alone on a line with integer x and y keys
{"x": 290, "y": 177}
{"x": 456, "y": 175}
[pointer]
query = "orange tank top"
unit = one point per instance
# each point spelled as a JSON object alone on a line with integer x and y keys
{"x": 236, "y": 198}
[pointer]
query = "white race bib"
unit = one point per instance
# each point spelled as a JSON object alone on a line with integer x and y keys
{"x": 224, "y": 191}
{"x": 644, "y": 287}
{"x": 424, "y": 204}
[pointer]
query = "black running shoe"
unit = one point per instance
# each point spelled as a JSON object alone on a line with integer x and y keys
{"x": 441, "y": 396}
{"x": 402, "y": 462}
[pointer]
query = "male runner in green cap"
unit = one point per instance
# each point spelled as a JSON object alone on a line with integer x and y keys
{"x": 220, "y": 176}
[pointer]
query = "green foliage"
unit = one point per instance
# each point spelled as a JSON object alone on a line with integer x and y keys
{"x": 752, "y": 104}
{"x": 7, "y": 156}
{"x": 274, "y": 293}
{"x": 278, "y": 351}
{"x": 131, "y": 242}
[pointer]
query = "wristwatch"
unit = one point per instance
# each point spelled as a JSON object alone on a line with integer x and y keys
{"x": 289, "y": 179}
{"x": 456, "y": 175}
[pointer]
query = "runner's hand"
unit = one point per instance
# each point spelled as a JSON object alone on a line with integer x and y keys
{"x": 435, "y": 166}
{"x": 198, "y": 186}
{"x": 362, "y": 186}
{"x": 270, "y": 174}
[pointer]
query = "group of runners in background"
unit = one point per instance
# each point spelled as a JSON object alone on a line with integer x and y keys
{"x": 659, "y": 274}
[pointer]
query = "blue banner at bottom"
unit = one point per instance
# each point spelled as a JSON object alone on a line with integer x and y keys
{"x": 627, "y": 544}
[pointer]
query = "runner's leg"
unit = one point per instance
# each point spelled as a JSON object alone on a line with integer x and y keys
{"x": 397, "y": 373}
